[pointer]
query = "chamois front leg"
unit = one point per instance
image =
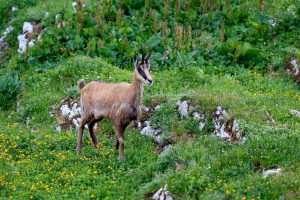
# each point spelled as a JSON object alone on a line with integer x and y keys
{"x": 121, "y": 148}
{"x": 120, "y": 140}
{"x": 92, "y": 134}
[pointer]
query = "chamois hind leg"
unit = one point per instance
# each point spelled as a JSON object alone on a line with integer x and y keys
{"x": 92, "y": 133}
{"x": 80, "y": 133}
{"x": 117, "y": 144}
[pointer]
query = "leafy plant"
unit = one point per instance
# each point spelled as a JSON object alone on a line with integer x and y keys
{"x": 186, "y": 60}
{"x": 117, "y": 30}
{"x": 10, "y": 86}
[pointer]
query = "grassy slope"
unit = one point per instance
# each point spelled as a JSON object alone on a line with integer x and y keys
{"x": 44, "y": 163}
{"x": 39, "y": 162}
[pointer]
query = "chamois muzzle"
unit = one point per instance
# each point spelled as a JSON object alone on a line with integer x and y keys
{"x": 149, "y": 82}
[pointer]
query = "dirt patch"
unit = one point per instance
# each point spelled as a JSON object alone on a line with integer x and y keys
{"x": 148, "y": 111}
{"x": 149, "y": 196}
{"x": 3, "y": 47}
{"x": 181, "y": 138}
{"x": 226, "y": 126}
{"x": 292, "y": 69}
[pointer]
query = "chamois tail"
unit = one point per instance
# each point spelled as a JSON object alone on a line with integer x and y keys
{"x": 81, "y": 83}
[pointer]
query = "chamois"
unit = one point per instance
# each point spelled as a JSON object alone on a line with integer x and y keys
{"x": 119, "y": 102}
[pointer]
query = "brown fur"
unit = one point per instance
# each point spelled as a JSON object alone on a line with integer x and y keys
{"x": 119, "y": 102}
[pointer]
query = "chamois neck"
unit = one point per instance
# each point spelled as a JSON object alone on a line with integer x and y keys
{"x": 136, "y": 88}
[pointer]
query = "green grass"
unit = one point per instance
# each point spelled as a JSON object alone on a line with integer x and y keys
{"x": 32, "y": 171}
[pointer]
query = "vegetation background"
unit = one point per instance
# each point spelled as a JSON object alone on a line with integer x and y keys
{"x": 228, "y": 53}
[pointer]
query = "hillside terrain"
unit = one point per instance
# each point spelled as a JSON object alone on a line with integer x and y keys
{"x": 221, "y": 120}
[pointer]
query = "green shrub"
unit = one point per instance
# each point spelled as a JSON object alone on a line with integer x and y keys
{"x": 193, "y": 34}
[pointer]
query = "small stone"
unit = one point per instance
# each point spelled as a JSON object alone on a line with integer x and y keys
{"x": 183, "y": 109}
{"x": 162, "y": 194}
{"x": 271, "y": 171}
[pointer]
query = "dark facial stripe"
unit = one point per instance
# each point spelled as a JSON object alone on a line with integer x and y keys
{"x": 142, "y": 73}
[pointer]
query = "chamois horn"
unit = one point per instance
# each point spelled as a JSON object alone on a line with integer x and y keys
{"x": 149, "y": 55}
{"x": 143, "y": 55}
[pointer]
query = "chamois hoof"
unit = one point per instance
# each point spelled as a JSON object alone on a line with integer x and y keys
{"x": 122, "y": 158}
{"x": 78, "y": 151}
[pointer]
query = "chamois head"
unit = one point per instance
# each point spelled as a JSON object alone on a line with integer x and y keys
{"x": 143, "y": 68}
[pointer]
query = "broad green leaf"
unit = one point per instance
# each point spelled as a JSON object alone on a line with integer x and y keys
{"x": 154, "y": 40}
